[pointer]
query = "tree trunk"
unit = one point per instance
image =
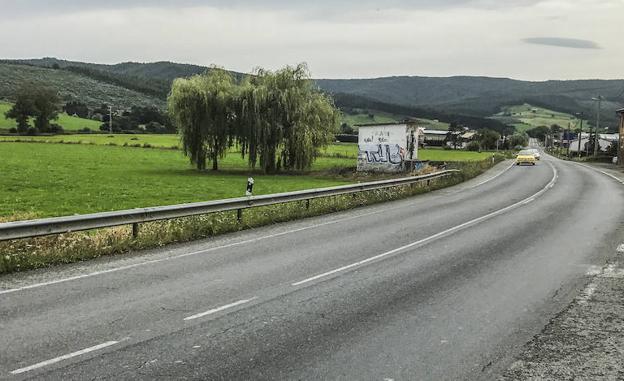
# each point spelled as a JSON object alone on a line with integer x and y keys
{"x": 215, "y": 163}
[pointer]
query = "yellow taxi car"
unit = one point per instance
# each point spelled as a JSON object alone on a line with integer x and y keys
{"x": 525, "y": 157}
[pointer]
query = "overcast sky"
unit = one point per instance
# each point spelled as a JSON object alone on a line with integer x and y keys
{"x": 523, "y": 39}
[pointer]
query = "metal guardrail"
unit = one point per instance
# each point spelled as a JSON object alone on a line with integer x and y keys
{"x": 59, "y": 225}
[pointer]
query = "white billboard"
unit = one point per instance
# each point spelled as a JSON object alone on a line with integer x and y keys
{"x": 385, "y": 147}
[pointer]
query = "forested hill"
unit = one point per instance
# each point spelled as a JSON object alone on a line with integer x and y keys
{"x": 149, "y": 83}
{"x": 153, "y": 78}
{"x": 481, "y": 96}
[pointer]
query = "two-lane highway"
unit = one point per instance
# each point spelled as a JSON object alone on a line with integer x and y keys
{"x": 447, "y": 285}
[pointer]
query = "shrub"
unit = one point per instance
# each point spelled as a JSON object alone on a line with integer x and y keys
{"x": 344, "y": 138}
{"x": 56, "y": 128}
{"x": 473, "y": 146}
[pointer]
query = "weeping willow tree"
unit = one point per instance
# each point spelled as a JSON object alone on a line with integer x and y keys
{"x": 285, "y": 120}
{"x": 202, "y": 108}
{"x": 278, "y": 119}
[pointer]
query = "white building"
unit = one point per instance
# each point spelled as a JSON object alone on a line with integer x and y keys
{"x": 387, "y": 147}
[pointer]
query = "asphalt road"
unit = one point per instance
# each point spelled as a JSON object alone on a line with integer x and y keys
{"x": 447, "y": 285}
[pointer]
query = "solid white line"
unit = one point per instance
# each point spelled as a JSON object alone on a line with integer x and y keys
{"x": 603, "y": 172}
{"x": 437, "y": 235}
{"x": 64, "y": 357}
{"x": 203, "y": 251}
{"x": 493, "y": 177}
{"x": 218, "y": 309}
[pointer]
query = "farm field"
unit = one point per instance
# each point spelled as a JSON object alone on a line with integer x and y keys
{"x": 69, "y": 123}
{"x": 382, "y": 117}
{"x": 335, "y": 150}
{"x": 153, "y": 140}
{"x": 527, "y": 116}
{"x": 40, "y": 180}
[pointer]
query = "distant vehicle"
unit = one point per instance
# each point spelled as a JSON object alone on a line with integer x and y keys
{"x": 525, "y": 157}
{"x": 536, "y": 153}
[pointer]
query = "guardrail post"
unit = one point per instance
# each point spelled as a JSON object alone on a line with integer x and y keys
{"x": 135, "y": 230}
{"x": 239, "y": 215}
{"x": 307, "y": 204}
{"x": 428, "y": 182}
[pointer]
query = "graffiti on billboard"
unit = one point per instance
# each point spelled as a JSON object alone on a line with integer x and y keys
{"x": 384, "y": 147}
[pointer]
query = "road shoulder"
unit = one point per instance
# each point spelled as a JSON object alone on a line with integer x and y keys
{"x": 586, "y": 339}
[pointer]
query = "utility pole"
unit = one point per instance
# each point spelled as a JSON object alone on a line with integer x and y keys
{"x": 567, "y": 137}
{"x": 596, "y": 139}
{"x": 580, "y": 134}
{"x": 110, "y": 119}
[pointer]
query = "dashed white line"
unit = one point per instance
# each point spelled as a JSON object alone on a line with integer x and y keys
{"x": 203, "y": 251}
{"x": 218, "y": 309}
{"x": 437, "y": 235}
{"x": 64, "y": 357}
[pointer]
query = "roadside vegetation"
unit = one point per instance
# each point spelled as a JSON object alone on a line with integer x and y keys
{"x": 26, "y": 254}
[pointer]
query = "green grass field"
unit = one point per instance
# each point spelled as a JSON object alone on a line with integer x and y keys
{"x": 362, "y": 118}
{"x": 69, "y": 123}
{"x": 41, "y": 180}
{"x": 528, "y": 116}
{"x": 155, "y": 140}
{"x": 382, "y": 117}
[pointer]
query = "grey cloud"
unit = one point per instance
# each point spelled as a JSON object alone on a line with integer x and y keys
{"x": 23, "y": 8}
{"x": 563, "y": 42}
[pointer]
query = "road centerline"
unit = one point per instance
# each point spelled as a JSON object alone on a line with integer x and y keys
{"x": 64, "y": 357}
{"x": 437, "y": 235}
{"x": 219, "y": 309}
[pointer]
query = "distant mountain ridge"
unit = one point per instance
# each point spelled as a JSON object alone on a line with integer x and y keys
{"x": 481, "y": 96}
{"x": 463, "y": 95}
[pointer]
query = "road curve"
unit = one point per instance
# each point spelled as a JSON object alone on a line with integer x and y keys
{"x": 446, "y": 285}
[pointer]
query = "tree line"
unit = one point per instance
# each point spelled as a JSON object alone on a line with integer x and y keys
{"x": 277, "y": 119}
{"x": 42, "y": 105}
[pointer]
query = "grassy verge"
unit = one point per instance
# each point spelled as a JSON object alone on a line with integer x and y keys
{"x": 562, "y": 154}
{"x": 69, "y": 123}
{"x": 20, "y": 255}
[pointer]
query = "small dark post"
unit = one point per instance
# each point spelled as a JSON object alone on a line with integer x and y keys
{"x": 250, "y": 184}
{"x": 428, "y": 182}
{"x": 135, "y": 230}
{"x": 307, "y": 204}
{"x": 239, "y": 215}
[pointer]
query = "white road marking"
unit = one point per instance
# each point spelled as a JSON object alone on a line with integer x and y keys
{"x": 64, "y": 357}
{"x": 218, "y": 309}
{"x": 493, "y": 177}
{"x": 594, "y": 270}
{"x": 203, "y": 251}
{"x": 587, "y": 294}
{"x": 603, "y": 172}
{"x": 437, "y": 235}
